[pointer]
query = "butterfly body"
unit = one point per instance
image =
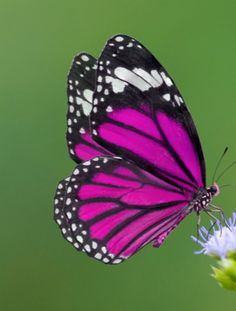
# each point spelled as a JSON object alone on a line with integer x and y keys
{"x": 140, "y": 166}
{"x": 203, "y": 198}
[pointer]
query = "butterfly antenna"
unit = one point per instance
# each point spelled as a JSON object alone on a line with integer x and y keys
{"x": 225, "y": 170}
{"x": 218, "y": 164}
{"x": 223, "y": 186}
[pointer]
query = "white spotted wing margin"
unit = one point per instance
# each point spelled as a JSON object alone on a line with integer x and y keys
{"x": 80, "y": 88}
{"x": 97, "y": 195}
{"x": 128, "y": 76}
{"x": 60, "y": 216}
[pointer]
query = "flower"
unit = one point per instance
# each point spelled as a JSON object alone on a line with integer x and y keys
{"x": 221, "y": 242}
{"x": 221, "y": 245}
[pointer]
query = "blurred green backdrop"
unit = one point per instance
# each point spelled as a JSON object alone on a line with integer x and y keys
{"x": 195, "y": 40}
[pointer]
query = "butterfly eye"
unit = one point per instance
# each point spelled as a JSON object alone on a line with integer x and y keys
{"x": 215, "y": 189}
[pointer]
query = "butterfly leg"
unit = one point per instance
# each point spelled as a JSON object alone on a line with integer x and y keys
{"x": 222, "y": 215}
{"x": 198, "y": 223}
{"x": 216, "y": 220}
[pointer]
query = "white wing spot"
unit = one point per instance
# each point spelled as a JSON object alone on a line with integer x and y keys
{"x": 99, "y": 88}
{"x": 117, "y": 85}
{"x": 87, "y": 163}
{"x": 119, "y": 39}
{"x": 154, "y": 79}
{"x": 166, "y": 96}
{"x": 106, "y": 260}
{"x": 104, "y": 249}
{"x": 167, "y": 80}
{"x": 80, "y": 239}
{"x": 76, "y": 171}
{"x": 177, "y": 100}
{"x": 109, "y": 109}
{"x": 132, "y": 78}
{"x": 157, "y": 76}
{"x": 87, "y": 107}
{"x": 72, "y": 108}
{"x": 85, "y": 58}
{"x": 98, "y": 256}
{"x": 88, "y": 95}
{"x": 73, "y": 227}
{"x": 94, "y": 245}
{"x": 87, "y": 248}
{"x": 69, "y": 215}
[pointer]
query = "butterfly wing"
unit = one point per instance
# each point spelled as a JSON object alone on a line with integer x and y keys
{"x": 81, "y": 83}
{"x": 112, "y": 208}
{"x": 139, "y": 115}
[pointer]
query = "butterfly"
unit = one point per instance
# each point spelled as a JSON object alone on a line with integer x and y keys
{"x": 140, "y": 166}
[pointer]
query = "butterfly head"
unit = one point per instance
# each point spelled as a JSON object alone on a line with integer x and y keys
{"x": 214, "y": 189}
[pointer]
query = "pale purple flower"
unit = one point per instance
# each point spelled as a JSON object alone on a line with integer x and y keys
{"x": 220, "y": 242}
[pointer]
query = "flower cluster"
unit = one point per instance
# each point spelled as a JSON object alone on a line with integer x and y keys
{"x": 221, "y": 245}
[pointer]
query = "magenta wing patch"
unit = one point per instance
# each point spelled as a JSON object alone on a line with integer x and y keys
{"x": 113, "y": 208}
{"x": 139, "y": 114}
{"x": 81, "y": 82}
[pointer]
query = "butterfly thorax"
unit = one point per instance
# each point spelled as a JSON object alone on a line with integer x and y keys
{"x": 203, "y": 197}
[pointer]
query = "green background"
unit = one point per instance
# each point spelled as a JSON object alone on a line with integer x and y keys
{"x": 195, "y": 40}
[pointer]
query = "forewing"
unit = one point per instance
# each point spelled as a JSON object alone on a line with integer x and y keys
{"x": 139, "y": 114}
{"x": 113, "y": 208}
{"x": 81, "y": 83}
